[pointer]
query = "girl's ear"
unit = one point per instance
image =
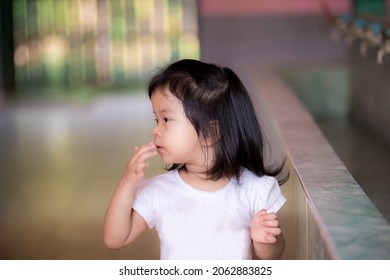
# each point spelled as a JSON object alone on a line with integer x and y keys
{"x": 213, "y": 134}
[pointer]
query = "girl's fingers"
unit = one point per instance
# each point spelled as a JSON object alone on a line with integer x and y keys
{"x": 270, "y": 239}
{"x": 146, "y": 149}
{"x": 268, "y": 217}
{"x": 138, "y": 161}
{"x": 135, "y": 168}
{"x": 143, "y": 153}
{"x": 273, "y": 231}
{"x": 261, "y": 213}
{"x": 139, "y": 170}
{"x": 270, "y": 223}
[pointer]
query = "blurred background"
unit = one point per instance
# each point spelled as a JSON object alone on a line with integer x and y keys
{"x": 71, "y": 48}
{"x": 73, "y": 103}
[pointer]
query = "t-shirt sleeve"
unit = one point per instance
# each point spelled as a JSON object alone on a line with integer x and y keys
{"x": 268, "y": 195}
{"x": 273, "y": 197}
{"x": 145, "y": 203}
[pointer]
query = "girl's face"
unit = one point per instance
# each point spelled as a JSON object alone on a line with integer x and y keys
{"x": 175, "y": 137}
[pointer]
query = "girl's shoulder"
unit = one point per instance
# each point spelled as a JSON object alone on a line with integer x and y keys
{"x": 261, "y": 192}
{"x": 250, "y": 180}
{"x": 160, "y": 179}
{"x": 252, "y": 185}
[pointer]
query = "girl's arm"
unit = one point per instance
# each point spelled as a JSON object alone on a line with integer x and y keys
{"x": 122, "y": 224}
{"x": 267, "y": 236}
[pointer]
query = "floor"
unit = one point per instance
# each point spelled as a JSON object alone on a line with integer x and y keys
{"x": 60, "y": 163}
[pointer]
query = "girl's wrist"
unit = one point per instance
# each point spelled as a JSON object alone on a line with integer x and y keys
{"x": 129, "y": 185}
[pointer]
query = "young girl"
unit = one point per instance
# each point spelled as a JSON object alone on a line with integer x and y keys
{"x": 218, "y": 199}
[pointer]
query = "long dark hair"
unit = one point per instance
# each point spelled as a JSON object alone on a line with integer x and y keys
{"x": 219, "y": 107}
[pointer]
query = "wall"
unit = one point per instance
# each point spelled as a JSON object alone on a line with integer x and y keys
{"x": 370, "y": 92}
{"x": 256, "y": 34}
{"x": 302, "y": 231}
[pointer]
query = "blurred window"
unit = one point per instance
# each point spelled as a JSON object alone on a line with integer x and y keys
{"x": 62, "y": 45}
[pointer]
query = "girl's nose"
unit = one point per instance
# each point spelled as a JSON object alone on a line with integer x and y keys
{"x": 156, "y": 131}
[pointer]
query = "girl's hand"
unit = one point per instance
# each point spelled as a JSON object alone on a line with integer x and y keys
{"x": 265, "y": 227}
{"x": 135, "y": 169}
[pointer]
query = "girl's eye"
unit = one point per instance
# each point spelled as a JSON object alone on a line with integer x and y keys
{"x": 165, "y": 120}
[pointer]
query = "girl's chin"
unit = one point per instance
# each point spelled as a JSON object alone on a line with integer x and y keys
{"x": 169, "y": 162}
{"x": 166, "y": 160}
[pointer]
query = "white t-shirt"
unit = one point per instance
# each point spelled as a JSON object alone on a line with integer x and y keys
{"x": 194, "y": 224}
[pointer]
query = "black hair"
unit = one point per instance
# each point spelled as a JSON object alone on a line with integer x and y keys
{"x": 219, "y": 107}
